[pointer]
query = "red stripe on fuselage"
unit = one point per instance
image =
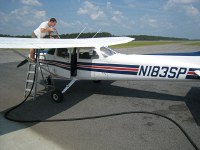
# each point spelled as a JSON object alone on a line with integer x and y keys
{"x": 110, "y": 68}
{"x": 190, "y": 73}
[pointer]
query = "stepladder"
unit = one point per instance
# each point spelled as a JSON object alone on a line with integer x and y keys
{"x": 34, "y": 68}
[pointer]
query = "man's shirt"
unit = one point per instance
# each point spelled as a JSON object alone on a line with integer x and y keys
{"x": 37, "y": 31}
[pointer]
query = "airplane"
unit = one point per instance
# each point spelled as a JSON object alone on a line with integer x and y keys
{"x": 93, "y": 59}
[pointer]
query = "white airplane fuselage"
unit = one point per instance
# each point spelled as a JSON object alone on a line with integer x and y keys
{"x": 105, "y": 65}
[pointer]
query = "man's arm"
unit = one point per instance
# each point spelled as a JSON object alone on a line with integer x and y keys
{"x": 51, "y": 35}
{"x": 43, "y": 30}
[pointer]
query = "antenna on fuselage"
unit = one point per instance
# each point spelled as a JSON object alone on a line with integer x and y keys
{"x": 81, "y": 32}
{"x": 96, "y": 33}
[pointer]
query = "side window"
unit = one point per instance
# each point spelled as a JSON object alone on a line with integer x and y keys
{"x": 94, "y": 55}
{"x": 88, "y": 54}
{"x": 51, "y": 51}
{"x": 63, "y": 52}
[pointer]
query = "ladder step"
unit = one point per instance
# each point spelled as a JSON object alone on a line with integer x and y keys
{"x": 28, "y": 90}
{"x": 31, "y": 63}
{"x": 33, "y": 72}
{"x": 31, "y": 81}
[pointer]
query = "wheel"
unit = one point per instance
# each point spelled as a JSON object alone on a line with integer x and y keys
{"x": 57, "y": 96}
{"x": 97, "y": 81}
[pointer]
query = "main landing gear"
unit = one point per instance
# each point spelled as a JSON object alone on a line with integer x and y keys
{"x": 57, "y": 95}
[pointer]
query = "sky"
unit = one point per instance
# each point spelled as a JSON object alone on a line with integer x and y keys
{"x": 174, "y": 18}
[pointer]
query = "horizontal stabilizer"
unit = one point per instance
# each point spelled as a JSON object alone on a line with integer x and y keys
{"x": 197, "y": 72}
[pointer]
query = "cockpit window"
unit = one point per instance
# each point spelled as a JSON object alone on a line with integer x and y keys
{"x": 107, "y": 51}
{"x": 63, "y": 52}
{"x": 51, "y": 51}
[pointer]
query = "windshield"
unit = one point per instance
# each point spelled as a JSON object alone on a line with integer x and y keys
{"x": 107, "y": 51}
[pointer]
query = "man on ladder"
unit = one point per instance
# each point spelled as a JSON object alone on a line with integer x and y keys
{"x": 44, "y": 30}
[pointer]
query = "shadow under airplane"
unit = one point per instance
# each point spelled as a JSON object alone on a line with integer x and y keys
{"x": 43, "y": 108}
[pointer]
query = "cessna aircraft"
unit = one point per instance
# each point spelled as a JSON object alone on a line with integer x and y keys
{"x": 92, "y": 59}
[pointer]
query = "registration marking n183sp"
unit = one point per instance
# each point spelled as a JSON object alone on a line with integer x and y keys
{"x": 162, "y": 71}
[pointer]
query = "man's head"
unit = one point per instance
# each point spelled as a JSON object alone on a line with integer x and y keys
{"x": 52, "y": 22}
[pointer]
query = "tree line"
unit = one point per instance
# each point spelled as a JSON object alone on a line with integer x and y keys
{"x": 104, "y": 34}
{"x": 154, "y": 38}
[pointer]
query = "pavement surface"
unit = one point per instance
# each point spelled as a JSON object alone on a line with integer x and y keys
{"x": 177, "y": 100}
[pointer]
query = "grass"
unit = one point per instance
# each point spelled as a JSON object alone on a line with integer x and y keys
{"x": 193, "y": 43}
{"x": 144, "y": 43}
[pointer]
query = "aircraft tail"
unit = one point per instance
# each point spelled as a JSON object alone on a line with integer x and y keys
{"x": 197, "y": 72}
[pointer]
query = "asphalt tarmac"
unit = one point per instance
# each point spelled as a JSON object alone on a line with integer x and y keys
{"x": 177, "y": 100}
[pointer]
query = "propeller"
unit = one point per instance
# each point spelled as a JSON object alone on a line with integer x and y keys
{"x": 22, "y": 63}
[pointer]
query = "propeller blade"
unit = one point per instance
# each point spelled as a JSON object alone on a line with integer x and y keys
{"x": 22, "y": 63}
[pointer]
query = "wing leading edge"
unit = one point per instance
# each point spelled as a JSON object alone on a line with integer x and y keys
{"x": 26, "y": 43}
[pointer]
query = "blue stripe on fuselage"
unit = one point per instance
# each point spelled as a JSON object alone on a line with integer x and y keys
{"x": 52, "y": 62}
{"x": 56, "y": 63}
{"x": 194, "y": 69}
{"x": 108, "y": 71}
{"x": 112, "y": 65}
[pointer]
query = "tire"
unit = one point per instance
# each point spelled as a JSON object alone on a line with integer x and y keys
{"x": 97, "y": 81}
{"x": 57, "y": 96}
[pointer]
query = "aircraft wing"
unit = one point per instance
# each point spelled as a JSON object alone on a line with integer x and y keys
{"x": 26, "y": 43}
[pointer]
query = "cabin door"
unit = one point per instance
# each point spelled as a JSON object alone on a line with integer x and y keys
{"x": 62, "y": 62}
